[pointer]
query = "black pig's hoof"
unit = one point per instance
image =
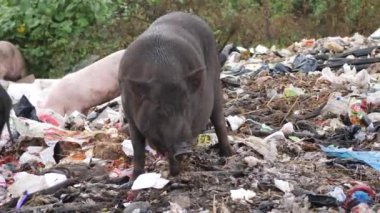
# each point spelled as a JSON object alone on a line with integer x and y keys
{"x": 226, "y": 150}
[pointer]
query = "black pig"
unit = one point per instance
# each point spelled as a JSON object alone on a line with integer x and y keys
{"x": 170, "y": 88}
{"x": 5, "y": 109}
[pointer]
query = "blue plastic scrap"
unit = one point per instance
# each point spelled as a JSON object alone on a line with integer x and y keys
{"x": 305, "y": 63}
{"x": 371, "y": 158}
{"x": 22, "y": 200}
{"x": 361, "y": 197}
{"x": 281, "y": 68}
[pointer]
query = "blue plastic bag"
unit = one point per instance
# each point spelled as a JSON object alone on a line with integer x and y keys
{"x": 371, "y": 158}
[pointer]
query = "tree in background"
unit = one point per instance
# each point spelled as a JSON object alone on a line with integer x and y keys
{"x": 54, "y": 35}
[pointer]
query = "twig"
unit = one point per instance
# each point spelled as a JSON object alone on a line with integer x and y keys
{"x": 228, "y": 172}
{"x": 65, "y": 207}
{"x": 12, "y": 203}
{"x": 312, "y": 114}
{"x": 270, "y": 100}
{"x": 140, "y": 19}
{"x": 249, "y": 112}
{"x": 302, "y": 134}
{"x": 214, "y": 205}
{"x": 53, "y": 189}
{"x": 290, "y": 110}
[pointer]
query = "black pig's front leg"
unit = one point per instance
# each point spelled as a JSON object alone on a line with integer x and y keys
{"x": 138, "y": 143}
{"x": 217, "y": 119}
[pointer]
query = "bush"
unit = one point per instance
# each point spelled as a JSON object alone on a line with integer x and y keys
{"x": 54, "y": 34}
{"x": 264, "y": 21}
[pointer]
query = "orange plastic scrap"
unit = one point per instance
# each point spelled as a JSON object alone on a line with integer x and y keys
{"x": 119, "y": 163}
{"x": 56, "y": 134}
{"x": 60, "y": 132}
{"x": 77, "y": 156}
{"x": 308, "y": 42}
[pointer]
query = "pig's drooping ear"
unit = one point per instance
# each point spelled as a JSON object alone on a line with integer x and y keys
{"x": 194, "y": 79}
{"x": 139, "y": 87}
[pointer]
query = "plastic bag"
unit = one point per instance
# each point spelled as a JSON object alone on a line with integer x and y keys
{"x": 25, "y": 109}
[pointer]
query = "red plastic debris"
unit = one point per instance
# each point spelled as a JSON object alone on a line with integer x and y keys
{"x": 7, "y": 159}
{"x": 48, "y": 119}
{"x": 346, "y": 204}
{"x": 131, "y": 195}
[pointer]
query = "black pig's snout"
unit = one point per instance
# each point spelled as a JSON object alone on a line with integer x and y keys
{"x": 182, "y": 151}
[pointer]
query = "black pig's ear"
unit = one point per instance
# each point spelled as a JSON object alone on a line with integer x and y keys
{"x": 194, "y": 79}
{"x": 140, "y": 88}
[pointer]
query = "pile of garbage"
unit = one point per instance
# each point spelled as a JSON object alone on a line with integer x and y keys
{"x": 303, "y": 121}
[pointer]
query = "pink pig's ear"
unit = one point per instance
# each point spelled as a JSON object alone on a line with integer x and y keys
{"x": 139, "y": 87}
{"x": 194, "y": 79}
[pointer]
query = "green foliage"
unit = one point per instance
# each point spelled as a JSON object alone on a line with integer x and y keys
{"x": 54, "y": 35}
{"x": 318, "y": 8}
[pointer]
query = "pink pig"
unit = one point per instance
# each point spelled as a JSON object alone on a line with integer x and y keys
{"x": 86, "y": 88}
{"x": 12, "y": 64}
